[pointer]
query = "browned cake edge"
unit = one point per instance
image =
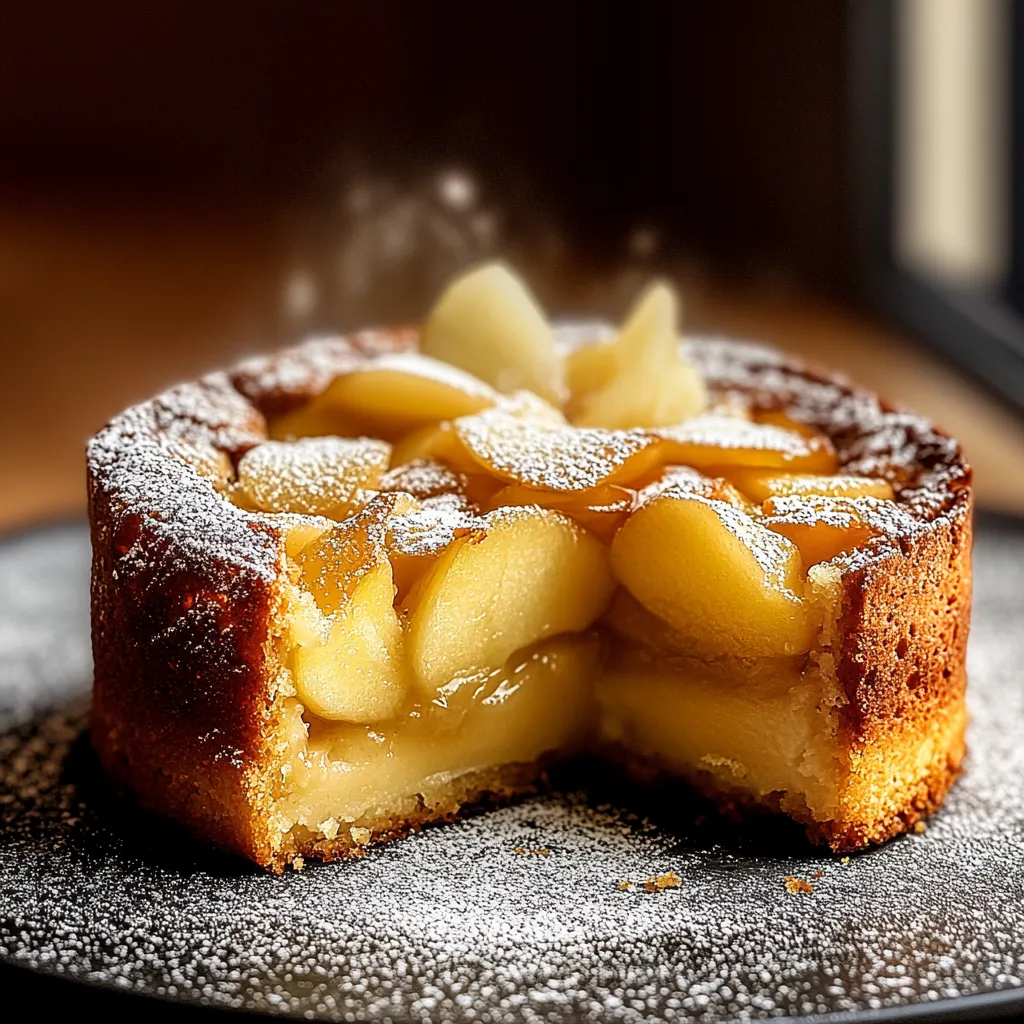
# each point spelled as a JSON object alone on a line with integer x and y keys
{"x": 183, "y": 595}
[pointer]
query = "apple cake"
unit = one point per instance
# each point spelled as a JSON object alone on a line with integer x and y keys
{"x": 356, "y": 586}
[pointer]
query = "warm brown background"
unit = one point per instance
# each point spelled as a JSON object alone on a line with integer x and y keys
{"x": 165, "y": 169}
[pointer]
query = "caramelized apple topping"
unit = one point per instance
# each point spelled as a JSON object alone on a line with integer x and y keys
{"x": 389, "y": 396}
{"x": 531, "y": 575}
{"x": 554, "y": 456}
{"x": 762, "y": 484}
{"x": 329, "y": 476}
{"x": 349, "y": 661}
{"x": 714, "y": 574}
{"x": 496, "y": 524}
{"x": 708, "y": 442}
{"x": 825, "y": 526}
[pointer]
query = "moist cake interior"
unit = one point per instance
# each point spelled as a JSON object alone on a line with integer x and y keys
{"x": 608, "y": 559}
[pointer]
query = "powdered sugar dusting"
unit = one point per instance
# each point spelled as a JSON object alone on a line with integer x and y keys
{"x": 454, "y": 925}
{"x": 886, "y": 517}
{"x": 415, "y": 364}
{"x": 733, "y": 434}
{"x": 428, "y": 531}
{"x": 425, "y": 479}
{"x": 313, "y": 475}
{"x": 548, "y": 456}
{"x": 148, "y": 465}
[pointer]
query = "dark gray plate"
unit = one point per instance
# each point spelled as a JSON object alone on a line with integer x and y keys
{"x": 454, "y": 923}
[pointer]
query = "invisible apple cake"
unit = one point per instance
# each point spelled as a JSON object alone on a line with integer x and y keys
{"x": 354, "y": 587}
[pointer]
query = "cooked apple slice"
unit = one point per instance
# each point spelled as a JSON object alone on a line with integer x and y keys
{"x": 715, "y": 575}
{"x": 427, "y": 478}
{"x": 534, "y": 574}
{"x": 553, "y": 456}
{"x": 418, "y": 537}
{"x": 389, "y": 396}
{"x": 312, "y": 419}
{"x": 778, "y": 418}
{"x": 349, "y": 663}
{"x": 824, "y": 526}
{"x": 435, "y": 441}
{"x": 686, "y": 478}
{"x": 762, "y": 484}
{"x": 601, "y": 510}
{"x": 328, "y": 476}
{"x": 400, "y": 392}
{"x": 589, "y": 368}
{"x": 488, "y": 324}
{"x": 643, "y": 379}
{"x": 643, "y": 630}
{"x": 302, "y": 531}
{"x": 714, "y": 442}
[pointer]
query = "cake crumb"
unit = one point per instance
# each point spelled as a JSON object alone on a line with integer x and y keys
{"x": 669, "y": 880}
{"x": 796, "y": 885}
{"x": 818, "y": 873}
{"x": 537, "y": 851}
{"x": 360, "y": 836}
{"x": 298, "y": 863}
{"x": 624, "y": 885}
{"x": 845, "y": 860}
{"x": 920, "y": 828}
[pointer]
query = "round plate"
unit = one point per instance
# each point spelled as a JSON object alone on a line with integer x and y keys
{"x": 519, "y": 913}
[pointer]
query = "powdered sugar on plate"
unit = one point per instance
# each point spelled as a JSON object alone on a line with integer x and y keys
{"x": 455, "y": 924}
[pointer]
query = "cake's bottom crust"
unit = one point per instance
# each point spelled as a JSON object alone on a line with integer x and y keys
{"x": 448, "y": 801}
{"x": 915, "y": 796}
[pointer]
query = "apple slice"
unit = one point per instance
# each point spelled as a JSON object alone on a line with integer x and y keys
{"x": 725, "y": 583}
{"x": 589, "y": 368}
{"x": 601, "y": 510}
{"x": 824, "y": 526}
{"x": 762, "y": 484}
{"x": 425, "y": 479}
{"x": 685, "y": 478}
{"x": 328, "y": 476}
{"x": 349, "y": 662}
{"x": 643, "y": 631}
{"x": 533, "y": 574}
{"x": 554, "y": 456}
{"x": 417, "y": 538}
{"x": 778, "y": 418}
{"x": 488, "y": 324}
{"x": 715, "y": 442}
{"x": 389, "y": 396}
{"x": 642, "y": 379}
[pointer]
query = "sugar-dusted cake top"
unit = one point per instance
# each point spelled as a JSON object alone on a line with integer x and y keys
{"x": 487, "y": 389}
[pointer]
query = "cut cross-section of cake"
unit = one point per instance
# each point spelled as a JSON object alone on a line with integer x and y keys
{"x": 350, "y": 589}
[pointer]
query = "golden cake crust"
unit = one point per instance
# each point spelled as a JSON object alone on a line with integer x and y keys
{"x": 184, "y": 594}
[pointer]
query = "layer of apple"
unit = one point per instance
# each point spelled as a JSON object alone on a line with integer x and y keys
{"x": 430, "y": 637}
{"x": 485, "y": 658}
{"x": 338, "y": 775}
{"x": 765, "y": 728}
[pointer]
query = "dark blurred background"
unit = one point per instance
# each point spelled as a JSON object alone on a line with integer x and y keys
{"x": 719, "y": 121}
{"x": 181, "y": 184}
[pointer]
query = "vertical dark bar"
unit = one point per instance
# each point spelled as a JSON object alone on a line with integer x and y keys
{"x": 1015, "y": 286}
{"x": 872, "y": 151}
